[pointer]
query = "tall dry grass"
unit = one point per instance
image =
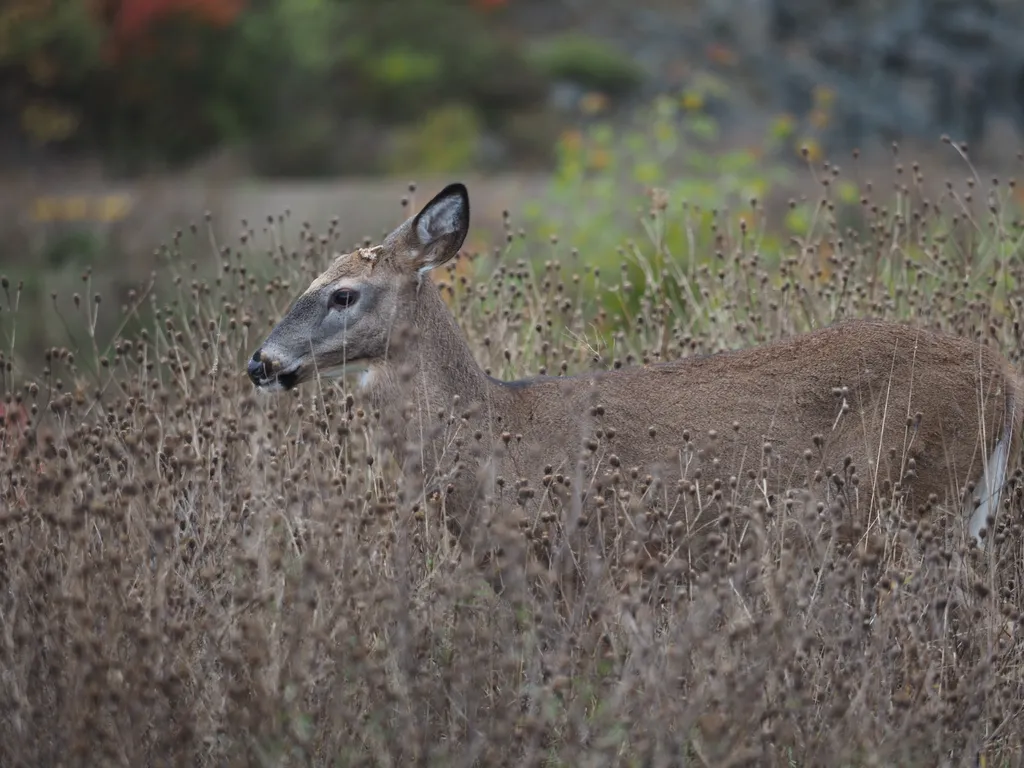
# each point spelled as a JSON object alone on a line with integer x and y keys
{"x": 193, "y": 574}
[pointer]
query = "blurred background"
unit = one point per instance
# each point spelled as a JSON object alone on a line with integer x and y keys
{"x": 122, "y": 121}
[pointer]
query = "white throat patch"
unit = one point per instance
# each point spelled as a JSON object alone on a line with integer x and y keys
{"x": 366, "y": 375}
{"x": 366, "y": 378}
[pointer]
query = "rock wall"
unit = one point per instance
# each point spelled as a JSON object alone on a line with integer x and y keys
{"x": 909, "y": 67}
{"x": 898, "y": 69}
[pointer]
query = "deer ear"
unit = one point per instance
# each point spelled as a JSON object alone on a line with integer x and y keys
{"x": 440, "y": 228}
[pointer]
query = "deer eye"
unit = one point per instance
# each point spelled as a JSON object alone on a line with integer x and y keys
{"x": 344, "y": 297}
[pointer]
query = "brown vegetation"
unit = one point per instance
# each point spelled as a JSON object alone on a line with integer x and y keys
{"x": 198, "y": 574}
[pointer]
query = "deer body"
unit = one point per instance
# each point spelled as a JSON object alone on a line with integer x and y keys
{"x": 909, "y": 409}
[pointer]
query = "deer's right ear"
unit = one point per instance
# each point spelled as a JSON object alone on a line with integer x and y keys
{"x": 440, "y": 228}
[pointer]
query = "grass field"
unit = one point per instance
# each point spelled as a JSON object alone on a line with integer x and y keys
{"x": 193, "y": 574}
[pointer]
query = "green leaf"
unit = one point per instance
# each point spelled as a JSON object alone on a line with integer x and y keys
{"x": 647, "y": 173}
{"x": 848, "y": 192}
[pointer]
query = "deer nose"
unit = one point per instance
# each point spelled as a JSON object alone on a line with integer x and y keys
{"x": 258, "y": 369}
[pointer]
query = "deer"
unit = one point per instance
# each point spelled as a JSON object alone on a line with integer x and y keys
{"x": 860, "y": 409}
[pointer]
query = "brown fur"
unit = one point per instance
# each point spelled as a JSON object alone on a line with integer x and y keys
{"x": 916, "y": 398}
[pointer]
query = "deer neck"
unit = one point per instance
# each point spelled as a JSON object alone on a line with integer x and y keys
{"x": 432, "y": 366}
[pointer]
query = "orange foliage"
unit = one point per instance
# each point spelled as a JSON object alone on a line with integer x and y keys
{"x": 131, "y": 21}
{"x": 721, "y": 54}
{"x": 134, "y": 18}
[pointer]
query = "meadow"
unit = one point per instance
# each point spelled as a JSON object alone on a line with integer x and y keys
{"x": 196, "y": 574}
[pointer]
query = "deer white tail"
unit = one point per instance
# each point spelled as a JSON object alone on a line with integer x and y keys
{"x": 988, "y": 495}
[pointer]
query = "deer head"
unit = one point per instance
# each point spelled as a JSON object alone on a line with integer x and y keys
{"x": 346, "y": 318}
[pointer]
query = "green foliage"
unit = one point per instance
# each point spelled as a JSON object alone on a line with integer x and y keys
{"x": 398, "y": 71}
{"x": 532, "y": 136}
{"x": 76, "y": 247}
{"x": 447, "y": 141}
{"x": 65, "y": 30}
{"x": 178, "y": 112}
{"x": 496, "y": 77}
{"x": 290, "y": 73}
{"x": 45, "y": 50}
{"x": 306, "y": 30}
{"x": 607, "y": 181}
{"x": 462, "y": 78}
{"x": 174, "y": 90}
{"x": 303, "y": 147}
{"x": 399, "y": 68}
{"x": 590, "y": 62}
